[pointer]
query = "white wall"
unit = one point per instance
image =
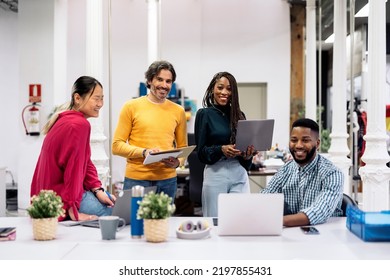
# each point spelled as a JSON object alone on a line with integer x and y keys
{"x": 36, "y": 60}
{"x": 200, "y": 38}
{"x": 9, "y": 91}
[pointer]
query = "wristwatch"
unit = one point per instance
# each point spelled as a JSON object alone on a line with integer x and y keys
{"x": 97, "y": 190}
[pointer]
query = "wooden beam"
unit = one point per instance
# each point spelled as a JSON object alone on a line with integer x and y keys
{"x": 297, "y": 87}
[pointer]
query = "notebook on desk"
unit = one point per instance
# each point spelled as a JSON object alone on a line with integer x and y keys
{"x": 250, "y": 214}
{"x": 122, "y": 207}
{"x": 255, "y": 132}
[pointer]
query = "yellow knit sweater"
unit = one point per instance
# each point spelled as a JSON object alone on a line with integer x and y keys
{"x": 143, "y": 124}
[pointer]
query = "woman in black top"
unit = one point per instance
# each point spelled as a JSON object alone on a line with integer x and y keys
{"x": 215, "y": 137}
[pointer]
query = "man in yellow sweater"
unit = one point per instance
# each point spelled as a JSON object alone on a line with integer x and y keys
{"x": 151, "y": 123}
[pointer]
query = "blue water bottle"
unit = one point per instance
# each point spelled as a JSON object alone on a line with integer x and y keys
{"x": 136, "y": 226}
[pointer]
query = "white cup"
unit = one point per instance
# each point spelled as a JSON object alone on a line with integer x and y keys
{"x": 109, "y": 225}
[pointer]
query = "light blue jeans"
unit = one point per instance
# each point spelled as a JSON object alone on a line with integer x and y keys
{"x": 168, "y": 186}
{"x": 92, "y": 206}
{"x": 224, "y": 176}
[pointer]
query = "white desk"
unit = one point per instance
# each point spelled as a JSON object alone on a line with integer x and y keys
{"x": 335, "y": 242}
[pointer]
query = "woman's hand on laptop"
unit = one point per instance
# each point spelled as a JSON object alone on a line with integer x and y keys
{"x": 86, "y": 217}
{"x": 248, "y": 154}
{"x": 82, "y": 216}
{"x": 230, "y": 151}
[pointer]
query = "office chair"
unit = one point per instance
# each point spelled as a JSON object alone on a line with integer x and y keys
{"x": 195, "y": 179}
{"x": 347, "y": 200}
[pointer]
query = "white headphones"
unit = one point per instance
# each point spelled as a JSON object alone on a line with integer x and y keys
{"x": 189, "y": 226}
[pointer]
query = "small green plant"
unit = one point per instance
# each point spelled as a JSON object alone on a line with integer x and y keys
{"x": 155, "y": 206}
{"x": 47, "y": 204}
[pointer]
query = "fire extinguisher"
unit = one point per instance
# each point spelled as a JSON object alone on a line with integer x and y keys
{"x": 31, "y": 117}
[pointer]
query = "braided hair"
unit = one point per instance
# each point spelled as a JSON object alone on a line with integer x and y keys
{"x": 235, "y": 111}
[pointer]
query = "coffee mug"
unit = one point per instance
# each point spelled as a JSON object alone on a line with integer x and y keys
{"x": 109, "y": 225}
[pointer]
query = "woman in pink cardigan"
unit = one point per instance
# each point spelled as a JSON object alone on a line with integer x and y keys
{"x": 64, "y": 164}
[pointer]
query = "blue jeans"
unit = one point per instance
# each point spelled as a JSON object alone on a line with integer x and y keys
{"x": 92, "y": 206}
{"x": 168, "y": 186}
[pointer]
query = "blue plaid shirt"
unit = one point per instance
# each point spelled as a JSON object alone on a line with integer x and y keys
{"x": 315, "y": 189}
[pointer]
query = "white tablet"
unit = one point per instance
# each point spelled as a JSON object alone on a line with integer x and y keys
{"x": 177, "y": 153}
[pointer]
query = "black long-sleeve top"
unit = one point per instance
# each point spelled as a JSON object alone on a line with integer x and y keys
{"x": 212, "y": 131}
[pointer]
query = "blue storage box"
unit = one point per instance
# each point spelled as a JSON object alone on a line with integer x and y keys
{"x": 369, "y": 226}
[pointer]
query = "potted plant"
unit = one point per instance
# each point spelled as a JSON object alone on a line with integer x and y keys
{"x": 44, "y": 210}
{"x": 155, "y": 209}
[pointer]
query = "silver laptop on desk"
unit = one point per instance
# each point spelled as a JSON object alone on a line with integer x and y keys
{"x": 250, "y": 214}
{"x": 122, "y": 207}
{"x": 258, "y": 133}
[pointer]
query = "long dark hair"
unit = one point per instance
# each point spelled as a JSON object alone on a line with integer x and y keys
{"x": 235, "y": 111}
{"x": 83, "y": 85}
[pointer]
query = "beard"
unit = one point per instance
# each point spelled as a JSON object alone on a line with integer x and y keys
{"x": 308, "y": 157}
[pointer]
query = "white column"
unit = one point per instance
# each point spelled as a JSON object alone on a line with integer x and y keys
{"x": 339, "y": 146}
{"x": 310, "y": 72}
{"x": 375, "y": 174}
{"x": 60, "y": 95}
{"x": 153, "y": 30}
{"x": 94, "y": 68}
